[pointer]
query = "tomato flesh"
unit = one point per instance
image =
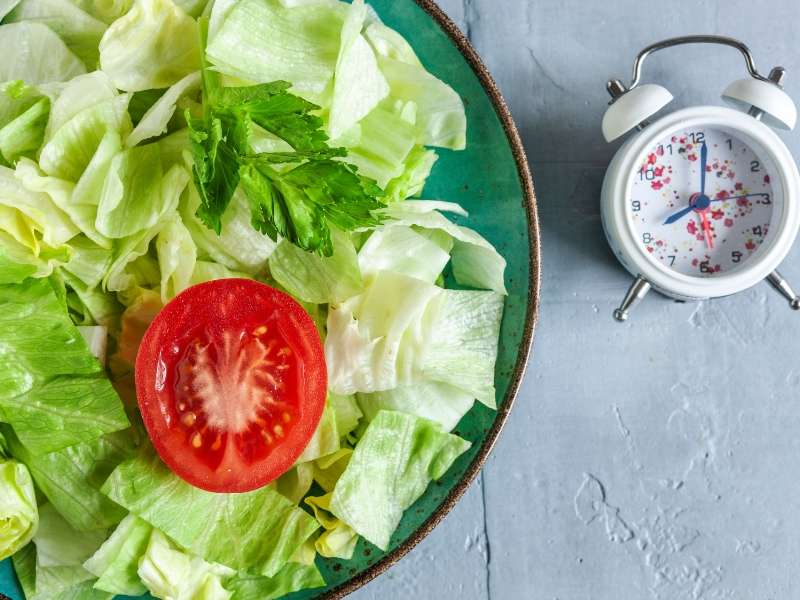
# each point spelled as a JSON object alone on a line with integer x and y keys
{"x": 231, "y": 383}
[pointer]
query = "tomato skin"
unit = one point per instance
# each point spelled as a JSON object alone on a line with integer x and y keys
{"x": 197, "y": 334}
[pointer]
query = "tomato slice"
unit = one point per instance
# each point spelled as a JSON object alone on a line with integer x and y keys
{"x": 231, "y": 382}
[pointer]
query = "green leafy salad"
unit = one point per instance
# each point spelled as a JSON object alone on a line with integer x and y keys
{"x": 227, "y": 348}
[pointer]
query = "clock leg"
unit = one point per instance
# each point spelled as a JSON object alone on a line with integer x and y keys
{"x": 636, "y": 292}
{"x": 780, "y": 284}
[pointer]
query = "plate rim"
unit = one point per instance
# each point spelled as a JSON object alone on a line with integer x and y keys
{"x": 487, "y": 82}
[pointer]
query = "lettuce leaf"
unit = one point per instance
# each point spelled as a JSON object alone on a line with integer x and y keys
{"x": 392, "y": 465}
{"x": 318, "y": 279}
{"x": 61, "y": 192}
{"x": 167, "y": 572}
{"x": 154, "y": 122}
{"x": 167, "y": 43}
{"x": 137, "y": 194}
{"x": 115, "y": 563}
{"x": 358, "y": 83}
{"x": 71, "y": 478}
{"x": 80, "y": 31}
{"x": 325, "y": 439}
{"x": 239, "y": 246}
{"x": 177, "y": 257}
{"x": 58, "y": 544}
{"x": 476, "y": 263}
{"x": 291, "y": 578}
{"x": 261, "y": 41}
{"x": 53, "y": 392}
{"x": 439, "y": 402}
{"x": 78, "y": 94}
{"x": 24, "y": 135}
{"x": 402, "y": 250}
{"x": 375, "y": 341}
{"x": 33, "y": 53}
{"x": 403, "y": 331}
{"x": 70, "y": 149}
{"x": 257, "y": 530}
{"x": 339, "y": 539}
{"x": 18, "y": 506}
{"x": 440, "y": 117}
{"x": 411, "y": 182}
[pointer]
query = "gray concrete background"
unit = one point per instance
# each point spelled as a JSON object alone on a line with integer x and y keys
{"x": 653, "y": 460}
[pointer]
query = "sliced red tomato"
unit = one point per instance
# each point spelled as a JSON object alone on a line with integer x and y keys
{"x": 231, "y": 382}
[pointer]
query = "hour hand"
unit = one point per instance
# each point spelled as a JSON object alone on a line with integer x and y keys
{"x": 678, "y": 215}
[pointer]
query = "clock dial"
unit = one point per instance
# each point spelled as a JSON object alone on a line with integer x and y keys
{"x": 701, "y": 202}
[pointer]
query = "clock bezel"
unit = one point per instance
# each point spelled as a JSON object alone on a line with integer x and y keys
{"x": 620, "y": 228}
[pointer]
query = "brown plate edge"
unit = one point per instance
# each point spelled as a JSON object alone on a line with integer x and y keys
{"x": 504, "y": 114}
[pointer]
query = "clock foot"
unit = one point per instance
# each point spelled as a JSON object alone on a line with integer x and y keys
{"x": 780, "y": 284}
{"x": 636, "y": 292}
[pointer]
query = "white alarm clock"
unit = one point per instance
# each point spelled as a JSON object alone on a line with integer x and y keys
{"x": 703, "y": 202}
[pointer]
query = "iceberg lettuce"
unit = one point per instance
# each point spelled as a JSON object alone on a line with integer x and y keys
{"x": 170, "y": 573}
{"x": 19, "y": 517}
{"x": 116, "y": 562}
{"x": 476, "y": 263}
{"x": 33, "y": 53}
{"x": 392, "y": 465}
{"x": 167, "y": 43}
{"x": 314, "y": 278}
{"x": 262, "y": 41}
{"x": 258, "y": 531}
{"x": 53, "y": 392}
{"x": 358, "y": 83}
{"x": 80, "y": 30}
{"x": 440, "y": 402}
{"x": 155, "y": 121}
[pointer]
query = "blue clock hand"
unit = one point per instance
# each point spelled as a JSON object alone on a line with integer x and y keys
{"x": 679, "y": 215}
{"x": 703, "y": 161}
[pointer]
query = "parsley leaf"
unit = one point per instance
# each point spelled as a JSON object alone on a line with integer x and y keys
{"x": 298, "y": 203}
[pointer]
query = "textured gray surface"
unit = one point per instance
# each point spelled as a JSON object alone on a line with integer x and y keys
{"x": 653, "y": 460}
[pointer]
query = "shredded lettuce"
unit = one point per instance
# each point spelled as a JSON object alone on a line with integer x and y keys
{"x": 116, "y": 562}
{"x": 33, "y": 53}
{"x": 20, "y": 517}
{"x": 392, "y": 465}
{"x": 476, "y": 263}
{"x": 167, "y": 43}
{"x": 257, "y": 530}
{"x": 80, "y": 30}
{"x": 53, "y": 392}
{"x": 291, "y": 578}
{"x": 71, "y": 478}
{"x": 261, "y": 41}
{"x": 59, "y": 545}
{"x": 155, "y": 121}
{"x": 169, "y": 573}
{"x": 440, "y": 402}
{"x": 318, "y": 279}
{"x": 358, "y": 83}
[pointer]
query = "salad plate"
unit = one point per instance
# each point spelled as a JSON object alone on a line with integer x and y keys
{"x": 491, "y": 180}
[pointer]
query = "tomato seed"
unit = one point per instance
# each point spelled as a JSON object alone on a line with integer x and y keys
{"x": 278, "y": 430}
{"x": 286, "y": 417}
{"x": 217, "y": 443}
{"x": 197, "y": 440}
{"x": 188, "y": 419}
{"x": 260, "y": 330}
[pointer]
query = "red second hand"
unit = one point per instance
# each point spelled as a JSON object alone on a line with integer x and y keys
{"x": 706, "y": 225}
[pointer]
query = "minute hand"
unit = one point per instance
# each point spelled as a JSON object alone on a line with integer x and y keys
{"x": 703, "y": 161}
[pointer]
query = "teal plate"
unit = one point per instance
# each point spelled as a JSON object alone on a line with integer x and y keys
{"x": 491, "y": 180}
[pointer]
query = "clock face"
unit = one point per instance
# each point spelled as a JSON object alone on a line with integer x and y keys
{"x": 701, "y": 202}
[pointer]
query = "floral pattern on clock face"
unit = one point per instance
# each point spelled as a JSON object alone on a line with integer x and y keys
{"x": 701, "y": 202}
